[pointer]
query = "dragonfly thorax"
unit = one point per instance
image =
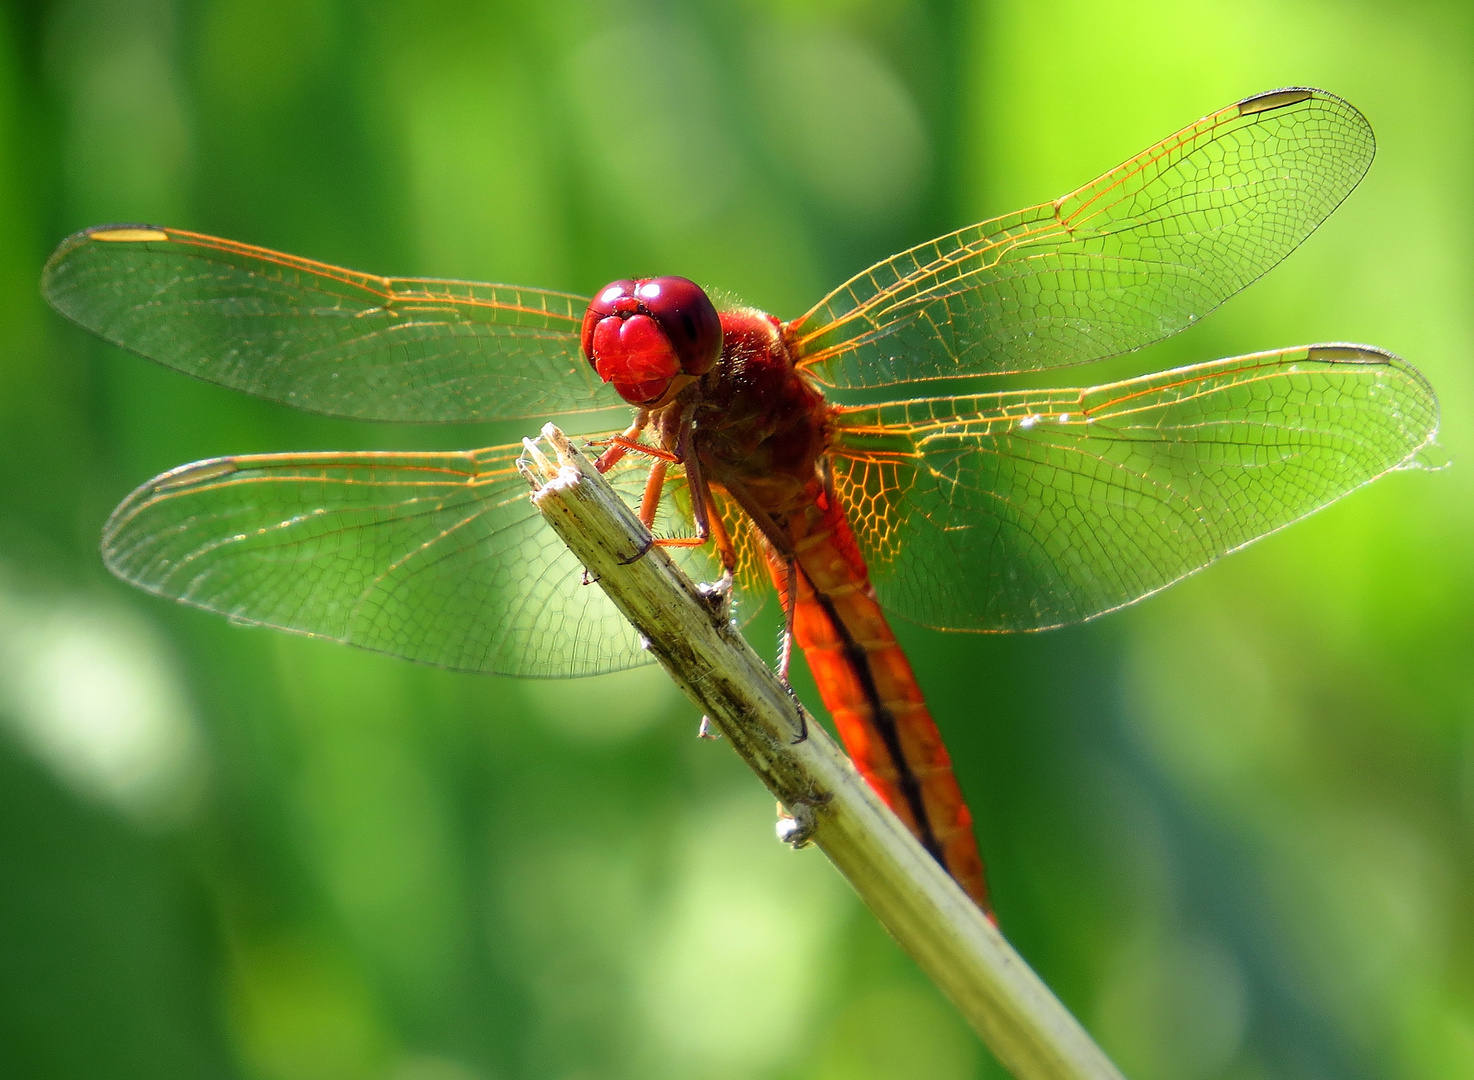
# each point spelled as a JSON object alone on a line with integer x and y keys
{"x": 760, "y": 420}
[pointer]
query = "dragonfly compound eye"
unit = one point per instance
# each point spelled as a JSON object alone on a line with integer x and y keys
{"x": 640, "y": 335}
{"x": 689, "y": 320}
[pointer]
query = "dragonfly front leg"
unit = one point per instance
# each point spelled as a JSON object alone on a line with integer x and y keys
{"x": 618, "y": 446}
{"x": 628, "y": 441}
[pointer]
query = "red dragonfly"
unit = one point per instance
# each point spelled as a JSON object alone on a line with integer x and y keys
{"x": 996, "y": 510}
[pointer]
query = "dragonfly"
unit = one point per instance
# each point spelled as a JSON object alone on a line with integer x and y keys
{"x": 989, "y": 510}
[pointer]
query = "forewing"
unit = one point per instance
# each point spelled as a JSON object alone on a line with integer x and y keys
{"x": 438, "y": 557}
{"x": 1034, "y": 509}
{"x": 326, "y": 339}
{"x": 1126, "y": 260}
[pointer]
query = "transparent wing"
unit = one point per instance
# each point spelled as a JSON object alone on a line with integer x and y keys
{"x": 752, "y": 585}
{"x": 1128, "y": 259}
{"x": 326, "y": 339}
{"x": 437, "y": 557}
{"x": 1034, "y": 509}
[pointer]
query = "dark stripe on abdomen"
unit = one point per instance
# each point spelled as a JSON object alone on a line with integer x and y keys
{"x": 884, "y": 724}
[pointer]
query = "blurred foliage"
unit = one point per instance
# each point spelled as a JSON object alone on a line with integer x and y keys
{"x": 1233, "y": 827}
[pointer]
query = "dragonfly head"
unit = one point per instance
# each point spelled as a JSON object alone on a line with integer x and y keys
{"x": 650, "y": 336}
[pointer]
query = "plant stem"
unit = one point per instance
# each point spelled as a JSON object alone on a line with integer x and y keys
{"x": 914, "y": 898}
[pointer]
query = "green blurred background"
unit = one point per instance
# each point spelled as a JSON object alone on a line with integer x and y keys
{"x": 1232, "y": 827}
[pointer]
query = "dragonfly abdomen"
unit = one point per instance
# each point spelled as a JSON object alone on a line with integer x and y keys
{"x": 868, "y": 686}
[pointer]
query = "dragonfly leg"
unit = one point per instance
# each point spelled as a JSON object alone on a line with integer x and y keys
{"x": 652, "y": 498}
{"x": 718, "y": 594}
{"x": 778, "y": 541}
{"x": 655, "y": 482}
{"x": 785, "y": 636}
{"x": 625, "y": 446}
{"x": 628, "y": 441}
{"x": 654, "y": 485}
{"x": 637, "y": 556}
{"x": 619, "y": 445}
{"x": 785, "y": 645}
{"x": 700, "y": 494}
{"x": 726, "y": 550}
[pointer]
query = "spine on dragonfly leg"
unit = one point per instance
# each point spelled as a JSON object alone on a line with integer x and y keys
{"x": 868, "y": 687}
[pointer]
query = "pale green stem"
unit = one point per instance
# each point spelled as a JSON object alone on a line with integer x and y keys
{"x": 914, "y": 898}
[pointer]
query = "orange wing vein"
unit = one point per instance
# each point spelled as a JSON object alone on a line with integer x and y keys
{"x": 1031, "y": 509}
{"x": 323, "y": 338}
{"x": 1128, "y": 259}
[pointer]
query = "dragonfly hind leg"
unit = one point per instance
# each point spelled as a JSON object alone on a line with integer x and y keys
{"x": 785, "y": 645}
